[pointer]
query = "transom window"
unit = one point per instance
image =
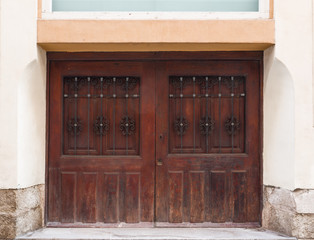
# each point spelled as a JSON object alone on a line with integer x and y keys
{"x": 157, "y": 5}
{"x": 155, "y": 9}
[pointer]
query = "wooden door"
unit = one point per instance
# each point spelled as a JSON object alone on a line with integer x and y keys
{"x": 207, "y": 143}
{"x": 107, "y": 118}
{"x": 101, "y": 143}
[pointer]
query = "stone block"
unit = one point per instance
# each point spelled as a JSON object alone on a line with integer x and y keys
{"x": 277, "y": 220}
{"x": 289, "y": 212}
{"x": 29, "y": 221}
{"x": 7, "y": 201}
{"x": 282, "y": 199}
{"x": 303, "y": 226}
{"x": 28, "y": 198}
{"x": 304, "y": 201}
{"x": 7, "y": 226}
{"x": 21, "y": 210}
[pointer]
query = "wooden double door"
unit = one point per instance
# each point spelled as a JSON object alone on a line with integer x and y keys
{"x": 153, "y": 143}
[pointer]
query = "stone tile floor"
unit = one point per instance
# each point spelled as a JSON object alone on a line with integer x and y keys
{"x": 153, "y": 234}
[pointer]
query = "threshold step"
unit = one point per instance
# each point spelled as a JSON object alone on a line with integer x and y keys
{"x": 154, "y": 234}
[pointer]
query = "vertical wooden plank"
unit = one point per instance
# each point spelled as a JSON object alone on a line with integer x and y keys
{"x": 68, "y": 198}
{"x": 162, "y": 142}
{"x": 54, "y": 190}
{"x": 186, "y": 200}
{"x": 54, "y": 121}
{"x": 111, "y": 197}
{"x": 122, "y": 196}
{"x": 175, "y": 196}
{"x": 132, "y": 198}
{"x": 100, "y": 206}
{"x": 218, "y": 196}
{"x": 146, "y": 149}
{"x": 197, "y": 183}
{"x": 253, "y": 192}
{"x": 239, "y": 190}
{"x": 207, "y": 197}
{"x": 87, "y": 201}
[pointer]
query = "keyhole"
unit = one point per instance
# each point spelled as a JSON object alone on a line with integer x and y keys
{"x": 161, "y": 136}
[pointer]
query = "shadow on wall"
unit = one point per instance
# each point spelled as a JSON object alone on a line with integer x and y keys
{"x": 278, "y": 125}
{"x": 31, "y": 123}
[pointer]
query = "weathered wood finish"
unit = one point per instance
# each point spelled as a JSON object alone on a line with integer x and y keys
{"x": 161, "y": 178}
{"x": 217, "y": 186}
{"x": 87, "y": 183}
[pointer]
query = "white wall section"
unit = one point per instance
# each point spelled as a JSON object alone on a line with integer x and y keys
{"x": 279, "y": 123}
{"x": 288, "y": 131}
{"x": 22, "y": 96}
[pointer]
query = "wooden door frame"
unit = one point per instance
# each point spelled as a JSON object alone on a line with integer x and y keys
{"x": 156, "y": 56}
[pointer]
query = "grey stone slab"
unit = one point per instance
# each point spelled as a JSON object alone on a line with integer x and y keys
{"x": 153, "y": 234}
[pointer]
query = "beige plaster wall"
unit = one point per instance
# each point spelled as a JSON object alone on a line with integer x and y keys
{"x": 288, "y": 109}
{"x": 22, "y": 96}
{"x": 8, "y": 99}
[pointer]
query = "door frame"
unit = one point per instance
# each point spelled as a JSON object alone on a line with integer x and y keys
{"x": 154, "y": 56}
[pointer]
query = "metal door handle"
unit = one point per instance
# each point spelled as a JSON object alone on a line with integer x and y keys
{"x": 159, "y": 162}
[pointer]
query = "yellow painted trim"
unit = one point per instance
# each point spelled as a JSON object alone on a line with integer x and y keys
{"x": 122, "y": 35}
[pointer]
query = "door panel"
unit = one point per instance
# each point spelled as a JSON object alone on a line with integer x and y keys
{"x": 101, "y": 149}
{"x": 207, "y": 150}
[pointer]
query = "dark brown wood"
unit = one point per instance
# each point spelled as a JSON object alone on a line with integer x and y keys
{"x": 232, "y": 173}
{"x": 99, "y": 178}
{"x": 218, "y": 208}
{"x": 197, "y": 188}
{"x": 261, "y": 133}
{"x": 111, "y": 198}
{"x": 175, "y": 196}
{"x": 154, "y": 56}
{"x": 198, "y": 182}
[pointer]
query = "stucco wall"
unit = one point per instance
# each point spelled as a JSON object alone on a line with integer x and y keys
{"x": 8, "y": 98}
{"x": 22, "y": 96}
{"x": 288, "y": 109}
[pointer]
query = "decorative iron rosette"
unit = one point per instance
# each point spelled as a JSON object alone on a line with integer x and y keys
{"x": 206, "y": 125}
{"x": 74, "y": 126}
{"x": 127, "y": 126}
{"x": 181, "y": 125}
{"x": 101, "y": 126}
{"x": 232, "y": 125}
